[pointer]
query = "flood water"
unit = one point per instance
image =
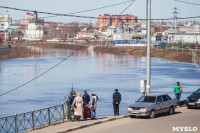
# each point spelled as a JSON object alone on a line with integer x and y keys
{"x": 97, "y": 73}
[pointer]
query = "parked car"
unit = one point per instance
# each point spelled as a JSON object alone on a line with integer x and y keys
{"x": 150, "y": 105}
{"x": 194, "y": 99}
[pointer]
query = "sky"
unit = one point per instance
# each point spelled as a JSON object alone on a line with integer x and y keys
{"x": 159, "y": 8}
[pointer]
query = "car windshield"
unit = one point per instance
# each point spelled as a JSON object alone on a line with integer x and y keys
{"x": 147, "y": 99}
{"x": 197, "y": 92}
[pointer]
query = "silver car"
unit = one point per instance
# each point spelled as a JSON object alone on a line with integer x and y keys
{"x": 150, "y": 105}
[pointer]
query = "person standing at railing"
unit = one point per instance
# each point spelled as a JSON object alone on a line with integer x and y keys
{"x": 93, "y": 106}
{"x": 78, "y": 101}
{"x": 86, "y": 98}
{"x": 71, "y": 99}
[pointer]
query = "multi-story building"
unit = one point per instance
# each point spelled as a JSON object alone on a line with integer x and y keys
{"x": 115, "y": 20}
{"x": 5, "y": 22}
{"x": 35, "y": 29}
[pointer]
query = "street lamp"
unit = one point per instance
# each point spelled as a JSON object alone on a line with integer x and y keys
{"x": 148, "y": 85}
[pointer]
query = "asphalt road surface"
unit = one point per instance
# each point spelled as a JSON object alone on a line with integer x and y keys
{"x": 182, "y": 120}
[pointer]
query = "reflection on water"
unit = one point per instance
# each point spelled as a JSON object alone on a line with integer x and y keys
{"x": 97, "y": 73}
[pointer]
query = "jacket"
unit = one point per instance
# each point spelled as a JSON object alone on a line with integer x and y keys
{"x": 116, "y": 97}
{"x": 86, "y": 98}
{"x": 78, "y": 101}
{"x": 93, "y": 102}
{"x": 71, "y": 99}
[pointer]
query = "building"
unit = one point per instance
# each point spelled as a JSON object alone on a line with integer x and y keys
{"x": 26, "y": 21}
{"x": 190, "y": 29}
{"x": 84, "y": 36}
{"x": 184, "y": 38}
{"x": 34, "y": 29}
{"x": 115, "y": 20}
{"x": 5, "y": 22}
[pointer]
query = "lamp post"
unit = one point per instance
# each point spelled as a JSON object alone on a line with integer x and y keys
{"x": 148, "y": 85}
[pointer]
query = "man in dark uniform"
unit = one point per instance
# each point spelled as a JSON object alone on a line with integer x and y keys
{"x": 116, "y": 101}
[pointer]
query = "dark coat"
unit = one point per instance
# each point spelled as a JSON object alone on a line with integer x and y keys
{"x": 71, "y": 99}
{"x": 116, "y": 97}
{"x": 86, "y": 98}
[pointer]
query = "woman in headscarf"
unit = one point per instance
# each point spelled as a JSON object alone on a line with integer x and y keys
{"x": 78, "y": 101}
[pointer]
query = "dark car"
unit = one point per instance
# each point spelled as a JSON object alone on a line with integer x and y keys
{"x": 194, "y": 99}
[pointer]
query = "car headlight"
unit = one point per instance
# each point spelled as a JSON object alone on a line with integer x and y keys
{"x": 128, "y": 109}
{"x": 143, "y": 109}
{"x": 198, "y": 101}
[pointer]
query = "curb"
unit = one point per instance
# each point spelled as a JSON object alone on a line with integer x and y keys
{"x": 94, "y": 123}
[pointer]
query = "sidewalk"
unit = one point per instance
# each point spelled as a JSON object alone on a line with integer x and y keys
{"x": 71, "y": 126}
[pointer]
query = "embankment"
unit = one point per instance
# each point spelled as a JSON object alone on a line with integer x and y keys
{"x": 138, "y": 51}
{"x": 19, "y": 52}
{"x": 155, "y": 52}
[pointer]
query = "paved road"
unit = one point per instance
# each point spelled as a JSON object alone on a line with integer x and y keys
{"x": 183, "y": 117}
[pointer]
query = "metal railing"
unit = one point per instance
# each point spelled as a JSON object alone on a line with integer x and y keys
{"x": 34, "y": 119}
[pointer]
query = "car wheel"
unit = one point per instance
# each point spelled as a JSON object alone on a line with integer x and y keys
{"x": 171, "y": 111}
{"x": 132, "y": 116}
{"x": 152, "y": 114}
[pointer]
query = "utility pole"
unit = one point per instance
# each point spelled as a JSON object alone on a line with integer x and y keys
{"x": 148, "y": 85}
{"x": 175, "y": 21}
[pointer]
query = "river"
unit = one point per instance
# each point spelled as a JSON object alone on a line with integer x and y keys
{"x": 96, "y": 72}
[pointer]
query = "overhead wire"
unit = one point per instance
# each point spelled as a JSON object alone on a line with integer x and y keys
{"x": 78, "y": 16}
{"x": 94, "y": 8}
{"x": 70, "y": 15}
{"x": 50, "y": 68}
{"x": 44, "y": 72}
{"x": 187, "y": 2}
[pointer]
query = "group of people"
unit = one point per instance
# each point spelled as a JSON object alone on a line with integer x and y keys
{"x": 80, "y": 102}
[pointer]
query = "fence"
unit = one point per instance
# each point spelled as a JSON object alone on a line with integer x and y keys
{"x": 179, "y": 47}
{"x": 34, "y": 119}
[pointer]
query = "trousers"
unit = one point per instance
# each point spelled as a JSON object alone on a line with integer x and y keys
{"x": 116, "y": 109}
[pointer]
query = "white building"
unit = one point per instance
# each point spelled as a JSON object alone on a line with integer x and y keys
{"x": 35, "y": 29}
{"x": 5, "y": 22}
{"x": 184, "y": 38}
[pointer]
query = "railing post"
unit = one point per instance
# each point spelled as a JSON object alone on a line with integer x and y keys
{"x": 63, "y": 113}
{"x": 33, "y": 125}
{"x": 49, "y": 119}
{"x": 16, "y": 128}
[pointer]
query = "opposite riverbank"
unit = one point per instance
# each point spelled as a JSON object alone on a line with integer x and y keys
{"x": 138, "y": 51}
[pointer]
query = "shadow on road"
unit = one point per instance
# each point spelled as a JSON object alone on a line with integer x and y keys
{"x": 157, "y": 116}
{"x": 96, "y": 118}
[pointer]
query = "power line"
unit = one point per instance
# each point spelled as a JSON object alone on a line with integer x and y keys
{"x": 68, "y": 15}
{"x": 187, "y": 2}
{"x": 124, "y": 11}
{"x": 44, "y": 72}
{"x": 53, "y": 66}
{"x": 127, "y": 7}
{"x": 95, "y": 8}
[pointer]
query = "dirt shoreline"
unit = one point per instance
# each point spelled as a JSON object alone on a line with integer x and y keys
{"x": 138, "y": 51}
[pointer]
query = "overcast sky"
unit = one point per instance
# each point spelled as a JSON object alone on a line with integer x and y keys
{"x": 160, "y": 8}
